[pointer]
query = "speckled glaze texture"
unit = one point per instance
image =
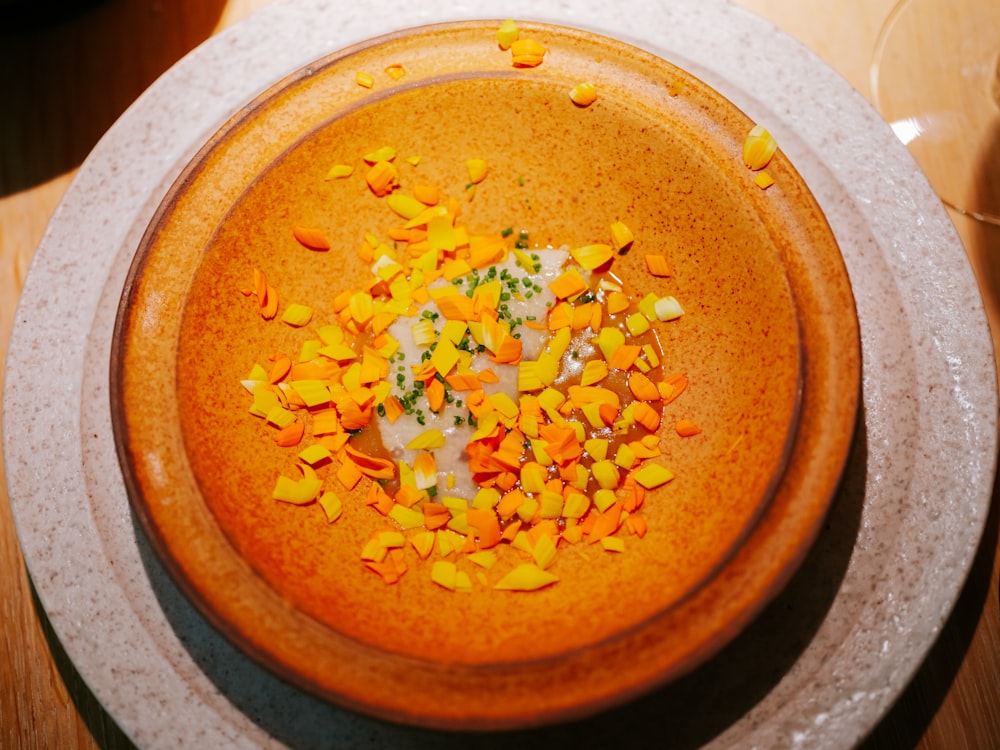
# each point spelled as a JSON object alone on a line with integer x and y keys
{"x": 816, "y": 670}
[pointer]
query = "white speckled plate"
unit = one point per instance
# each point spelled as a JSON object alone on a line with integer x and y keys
{"x": 821, "y": 665}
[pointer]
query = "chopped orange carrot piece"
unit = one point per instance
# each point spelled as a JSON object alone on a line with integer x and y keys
{"x": 456, "y": 307}
{"x": 436, "y": 516}
{"x": 379, "y": 499}
{"x": 408, "y": 496}
{"x": 687, "y": 428}
{"x": 606, "y": 523}
{"x": 624, "y": 357}
{"x": 657, "y": 265}
{"x": 429, "y": 195}
{"x": 642, "y": 387}
{"x": 637, "y": 525}
{"x": 281, "y": 367}
{"x": 435, "y": 394}
{"x": 349, "y": 475}
{"x": 527, "y": 53}
{"x": 290, "y": 436}
{"x": 568, "y": 285}
{"x": 509, "y": 503}
{"x": 395, "y": 71}
{"x": 646, "y": 415}
{"x": 381, "y": 178}
{"x": 372, "y": 466}
{"x": 311, "y": 238}
{"x": 487, "y": 525}
{"x": 673, "y": 386}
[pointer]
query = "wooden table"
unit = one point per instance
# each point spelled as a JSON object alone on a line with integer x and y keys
{"x": 63, "y": 86}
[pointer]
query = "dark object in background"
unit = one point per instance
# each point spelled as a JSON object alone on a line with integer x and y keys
{"x": 25, "y": 15}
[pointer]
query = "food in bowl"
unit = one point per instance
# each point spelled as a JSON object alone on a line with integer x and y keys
{"x": 490, "y": 394}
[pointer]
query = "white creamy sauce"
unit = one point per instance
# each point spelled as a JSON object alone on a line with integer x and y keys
{"x": 453, "y": 420}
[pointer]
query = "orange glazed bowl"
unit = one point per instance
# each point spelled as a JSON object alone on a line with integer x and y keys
{"x": 325, "y": 577}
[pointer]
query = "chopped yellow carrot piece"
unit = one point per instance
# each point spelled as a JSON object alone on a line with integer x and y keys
{"x": 637, "y": 324}
{"x": 593, "y": 372}
{"x": 507, "y": 34}
{"x": 763, "y": 180}
{"x": 592, "y": 256}
{"x": 383, "y": 153}
{"x": 297, "y": 315}
{"x": 339, "y": 171}
{"x": 296, "y": 492}
{"x": 653, "y": 475}
{"x": 617, "y": 302}
{"x": 613, "y": 544}
{"x": 525, "y": 577}
{"x": 444, "y": 357}
{"x": 315, "y": 454}
{"x": 427, "y": 440}
{"x": 625, "y": 456}
{"x": 477, "y": 170}
{"x": 423, "y": 543}
{"x": 606, "y": 474}
{"x": 583, "y": 94}
{"x": 364, "y": 79}
{"x": 609, "y": 340}
{"x": 484, "y": 558}
{"x": 405, "y": 205}
{"x": 331, "y": 505}
{"x": 758, "y": 148}
{"x": 444, "y": 573}
{"x": 621, "y": 237}
{"x": 407, "y": 518}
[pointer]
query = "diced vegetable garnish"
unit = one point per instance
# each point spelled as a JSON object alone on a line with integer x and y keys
{"x": 583, "y": 94}
{"x": 507, "y": 34}
{"x": 527, "y": 53}
{"x": 538, "y": 368}
{"x": 758, "y": 148}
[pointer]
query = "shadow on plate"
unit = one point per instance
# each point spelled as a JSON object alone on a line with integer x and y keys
{"x": 69, "y": 68}
{"x": 690, "y": 711}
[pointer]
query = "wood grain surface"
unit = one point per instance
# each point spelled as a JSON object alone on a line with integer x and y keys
{"x": 63, "y": 83}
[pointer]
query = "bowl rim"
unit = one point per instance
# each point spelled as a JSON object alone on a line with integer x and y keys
{"x": 848, "y": 362}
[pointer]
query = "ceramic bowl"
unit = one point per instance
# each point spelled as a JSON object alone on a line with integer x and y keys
{"x": 769, "y": 343}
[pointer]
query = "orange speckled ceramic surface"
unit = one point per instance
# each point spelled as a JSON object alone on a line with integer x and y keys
{"x": 768, "y": 341}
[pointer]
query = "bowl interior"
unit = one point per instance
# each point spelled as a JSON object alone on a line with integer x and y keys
{"x": 659, "y": 151}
